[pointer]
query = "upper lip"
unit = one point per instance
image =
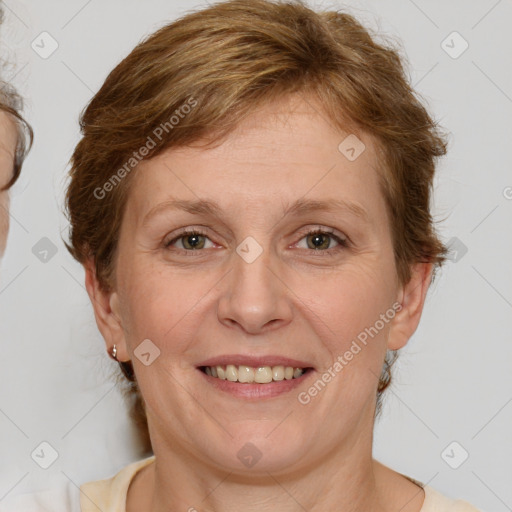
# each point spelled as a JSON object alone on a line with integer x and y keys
{"x": 255, "y": 361}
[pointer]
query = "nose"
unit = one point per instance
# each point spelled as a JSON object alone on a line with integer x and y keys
{"x": 255, "y": 298}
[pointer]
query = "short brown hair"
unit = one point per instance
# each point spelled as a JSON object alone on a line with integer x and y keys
{"x": 233, "y": 57}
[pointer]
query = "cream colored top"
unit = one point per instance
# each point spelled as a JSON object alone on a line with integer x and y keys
{"x": 109, "y": 495}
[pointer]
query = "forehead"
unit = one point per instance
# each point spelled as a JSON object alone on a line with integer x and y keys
{"x": 280, "y": 152}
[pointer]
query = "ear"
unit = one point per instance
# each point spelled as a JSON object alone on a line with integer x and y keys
{"x": 412, "y": 297}
{"x": 106, "y": 311}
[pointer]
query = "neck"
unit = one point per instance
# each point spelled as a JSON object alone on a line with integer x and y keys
{"x": 346, "y": 479}
{"x": 342, "y": 491}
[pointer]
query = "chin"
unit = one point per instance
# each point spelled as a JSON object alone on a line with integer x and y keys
{"x": 259, "y": 450}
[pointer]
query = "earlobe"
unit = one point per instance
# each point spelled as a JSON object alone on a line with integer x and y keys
{"x": 106, "y": 311}
{"x": 412, "y": 297}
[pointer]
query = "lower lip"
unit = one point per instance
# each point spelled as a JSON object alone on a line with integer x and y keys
{"x": 256, "y": 391}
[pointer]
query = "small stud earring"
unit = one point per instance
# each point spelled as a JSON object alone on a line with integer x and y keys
{"x": 113, "y": 353}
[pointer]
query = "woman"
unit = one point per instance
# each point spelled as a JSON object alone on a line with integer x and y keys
{"x": 250, "y": 201}
{"x": 16, "y": 138}
{"x": 15, "y": 141}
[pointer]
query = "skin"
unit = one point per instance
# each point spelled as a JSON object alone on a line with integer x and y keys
{"x": 290, "y": 301}
{"x": 8, "y": 140}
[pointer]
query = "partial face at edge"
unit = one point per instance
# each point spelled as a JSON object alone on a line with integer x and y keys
{"x": 8, "y": 141}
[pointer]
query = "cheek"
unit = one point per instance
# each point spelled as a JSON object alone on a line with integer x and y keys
{"x": 349, "y": 301}
{"x": 161, "y": 306}
{"x": 348, "y": 320}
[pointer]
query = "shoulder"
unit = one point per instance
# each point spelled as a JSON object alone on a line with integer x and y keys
{"x": 109, "y": 495}
{"x": 61, "y": 498}
{"x": 437, "y": 502}
{"x": 106, "y": 495}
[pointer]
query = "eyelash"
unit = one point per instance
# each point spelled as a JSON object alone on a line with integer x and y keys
{"x": 342, "y": 242}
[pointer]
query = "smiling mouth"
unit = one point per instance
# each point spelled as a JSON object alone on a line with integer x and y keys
{"x": 254, "y": 375}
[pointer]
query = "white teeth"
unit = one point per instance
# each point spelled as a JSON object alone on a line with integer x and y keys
{"x": 231, "y": 373}
{"x": 263, "y": 375}
{"x": 248, "y": 374}
{"x": 245, "y": 374}
{"x": 297, "y": 373}
{"x": 278, "y": 373}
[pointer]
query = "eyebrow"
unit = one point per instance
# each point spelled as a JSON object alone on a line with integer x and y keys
{"x": 301, "y": 206}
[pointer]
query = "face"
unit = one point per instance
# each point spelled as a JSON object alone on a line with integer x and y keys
{"x": 8, "y": 140}
{"x": 287, "y": 260}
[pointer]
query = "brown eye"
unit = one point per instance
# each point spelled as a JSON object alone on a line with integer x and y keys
{"x": 193, "y": 241}
{"x": 322, "y": 241}
{"x": 189, "y": 241}
{"x": 318, "y": 241}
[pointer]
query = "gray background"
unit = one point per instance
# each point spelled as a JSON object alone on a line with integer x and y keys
{"x": 453, "y": 381}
